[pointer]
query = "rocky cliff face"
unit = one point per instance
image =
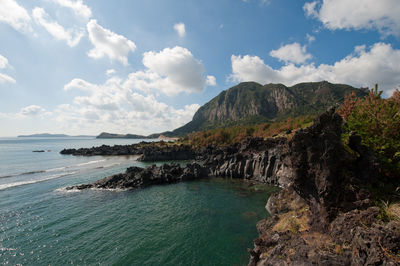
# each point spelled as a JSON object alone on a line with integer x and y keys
{"x": 249, "y": 101}
{"x": 324, "y": 216}
{"x": 254, "y": 159}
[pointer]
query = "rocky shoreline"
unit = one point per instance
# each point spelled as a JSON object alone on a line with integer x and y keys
{"x": 148, "y": 151}
{"x": 323, "y": 215}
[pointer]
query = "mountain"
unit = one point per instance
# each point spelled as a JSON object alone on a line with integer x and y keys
{"x": 251, "y": 103}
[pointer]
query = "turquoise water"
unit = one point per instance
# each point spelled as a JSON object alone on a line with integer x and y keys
{"x": 207, "y": 222}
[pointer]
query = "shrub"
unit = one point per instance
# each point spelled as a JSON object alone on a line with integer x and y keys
{"x": 377, "y": 121}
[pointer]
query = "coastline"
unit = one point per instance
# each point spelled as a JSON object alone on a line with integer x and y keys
{"x": 318, "y": 177}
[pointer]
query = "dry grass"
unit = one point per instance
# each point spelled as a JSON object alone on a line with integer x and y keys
{"x": 293, "y": 221}
{"x": 320, "y": 241}
{"x": 393, "y": 210}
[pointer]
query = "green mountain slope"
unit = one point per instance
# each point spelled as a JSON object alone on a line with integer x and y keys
{"x": 252, "y": 103}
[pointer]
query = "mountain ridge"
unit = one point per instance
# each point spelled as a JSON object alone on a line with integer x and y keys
{"x": 253, "y": 103}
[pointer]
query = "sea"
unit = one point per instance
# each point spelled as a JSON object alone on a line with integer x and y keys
{"x": 204, "y": 222}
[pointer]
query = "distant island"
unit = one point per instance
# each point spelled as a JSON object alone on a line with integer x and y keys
{"x": 105, "y": 135}
{"x": 47, "y": 135}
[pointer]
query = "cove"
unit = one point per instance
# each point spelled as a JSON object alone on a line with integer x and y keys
{"x": 202, "y": 222}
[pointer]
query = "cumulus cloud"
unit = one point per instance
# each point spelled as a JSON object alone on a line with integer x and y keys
{"x": 114, "y": 107}
{"x": 382, "y": 15}
{"x": 172, "y": 70}
{"x": 380, "y": 64}
{"x": 32, "y": 110}
{"x": 180, "y": 29}
{"x": 80, "y": 84}
{"x": 310, "y": 9}
{"x": 15, "y": 15}
{"x": 108, "y": 43}
{"x": 79, "y": 8}
{"x": 211, "y": 81}
{"x": 294, "y": 53}
{"x": 110, "y": 72}
{"x": 3, "y": 77}
{"x": 72, "y": 37}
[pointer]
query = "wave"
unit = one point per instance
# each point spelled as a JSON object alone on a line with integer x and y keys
{"x": 65, "y": 190}
{"x": 26, "y": 173}
{"x": 91, "y": 162}
{"x": 28, "y": 182}
{"x": 56, "y": 169}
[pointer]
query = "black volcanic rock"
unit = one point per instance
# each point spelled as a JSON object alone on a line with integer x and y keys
{"x": 132, "y": 149}
{"x": 174, "y": 152}
{"x": 149, "y": 151}
{"x": 324, "y": 216}
{"x": 136, "y": 177}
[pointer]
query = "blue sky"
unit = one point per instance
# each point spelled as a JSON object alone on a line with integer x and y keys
{"x": 87, "y": 66}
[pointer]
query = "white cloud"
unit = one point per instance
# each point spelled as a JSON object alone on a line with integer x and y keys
{"x": 32, "y": 110}
{"x": 294, "y": 53}
{"x": 382, "y": 15}
{"x": 310, "y": 38}
{"x": 310, "y": 9}
{"x": 108, "y": 43}
{"x": 80, "y": 84}
{"x": 180, "y": 29}
{"x": 380, "y": 64}
{"x": 72, "y": 37}
{"x": 110, "y": 72}
{"x": 211, "y": 81}
{"x": 15, "y": 15}
{"x": 4, "y": 64}
{"x": 5, "y": 78}
{"x": 262, "y": 2}
{"x": 114, "y": 107}
{"x": 79, "y": 8}
{"x": 172, "y": 70}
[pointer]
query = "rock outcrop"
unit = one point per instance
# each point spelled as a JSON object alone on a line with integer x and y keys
{"x": 167, "y": 153}
{"x": 148, "y": 151}
{"x": 136, "y": 177}
{"x": 133, "y": 149}
{"x": 324, "y": 216}
{"x": 254, "y": 159}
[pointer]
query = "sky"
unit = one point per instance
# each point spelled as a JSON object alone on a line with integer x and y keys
{"x": 141, "y": 67}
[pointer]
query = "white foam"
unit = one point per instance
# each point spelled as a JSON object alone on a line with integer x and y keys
{"x": 56, "y": 169}
{"x": 27, "y": 182}
{"x": 91, "y": 162}
{"x": 65, "y": 190}
{"x": 8, "y": 249}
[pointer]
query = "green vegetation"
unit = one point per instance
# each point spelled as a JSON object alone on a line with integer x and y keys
{"x": 234, "y": 134}
{"x": 377, "y": 121}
